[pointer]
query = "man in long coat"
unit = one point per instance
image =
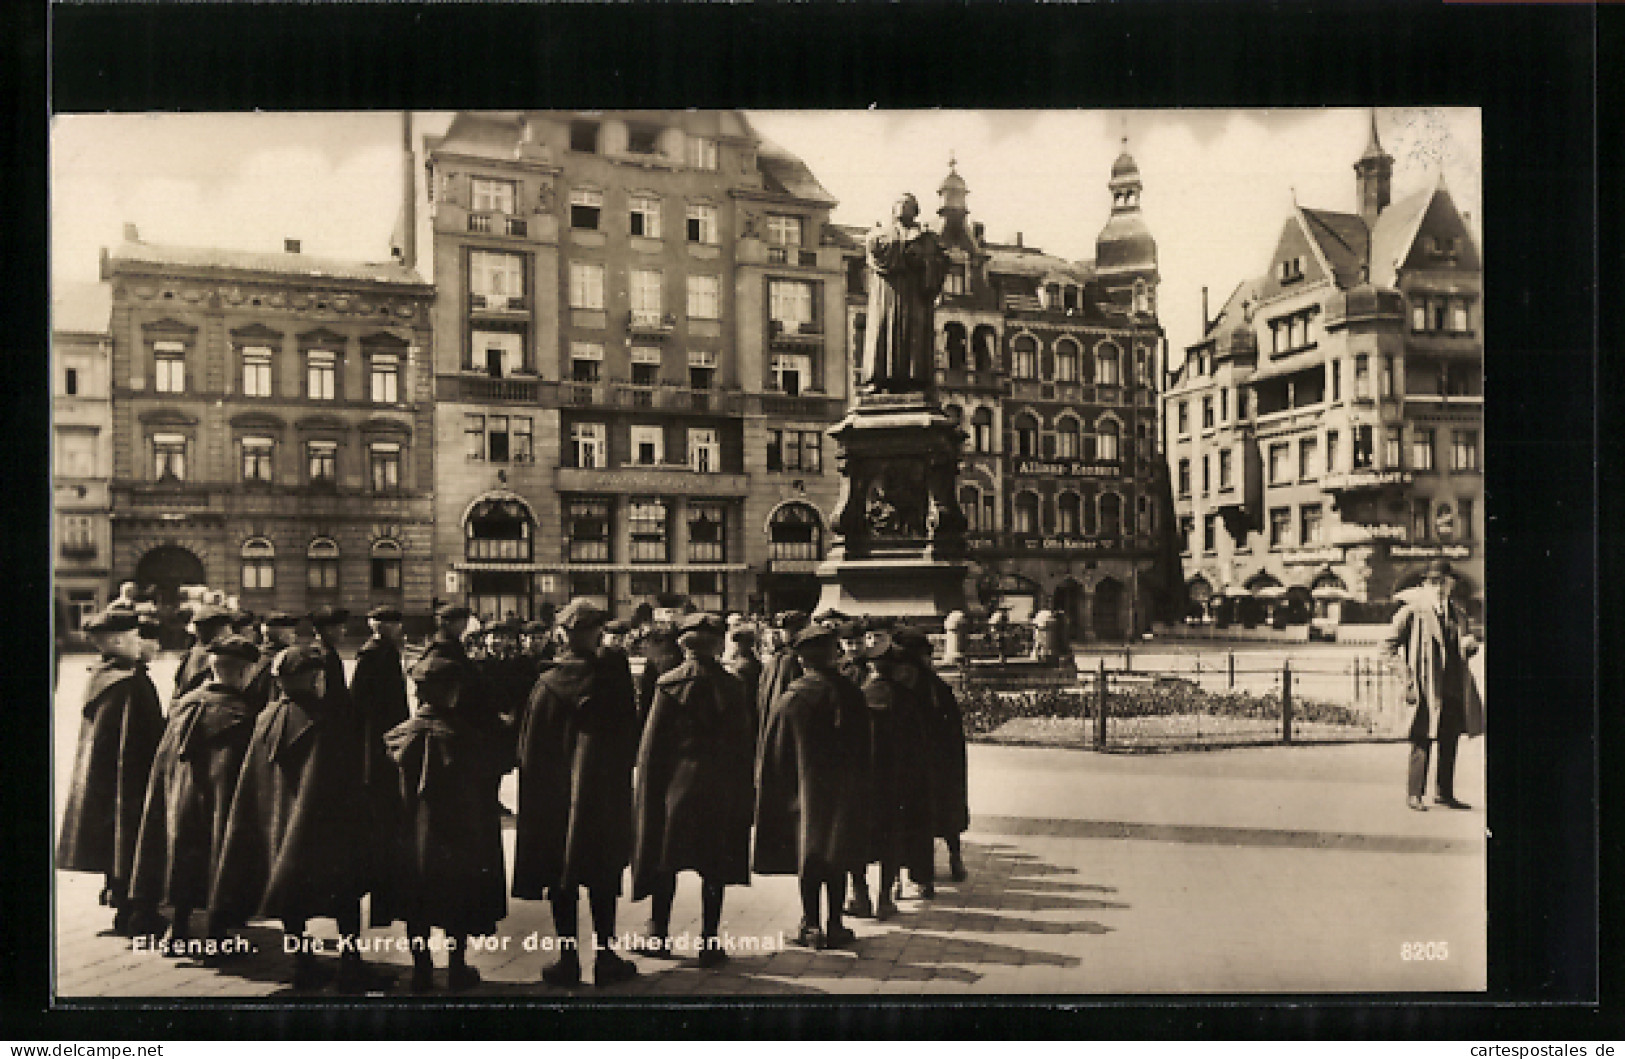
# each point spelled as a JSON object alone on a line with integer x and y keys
{"x": 1430, "y": 636}
{"x": 193, "y": 783}
{"x": 295, "y": 842}
{"x": 118, "y": 738}
{"x": 781, "y": 670}
{"x": 813, "y": 790}
{"x": 451, "y": 755}
{"x": 378, "y": 690}
{"x": 576, "y": 751}
{"x": 209, "y": 623}
{"x": 695, "y": 791}
{"x": 945, "y": 743}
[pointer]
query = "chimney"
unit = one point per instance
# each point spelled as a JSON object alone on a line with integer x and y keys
{"x": 1018, "y": 238}
{"x": 1204, "y": 310}
{"x": 409, "y": 194}
{"x": 131, "y": 233}
{"x": 290, "y": 246}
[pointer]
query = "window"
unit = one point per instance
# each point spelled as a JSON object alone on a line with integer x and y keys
{"x": 496, "y": 278}
{"x": 257, "y": 460}
{"x": 169, "y": 367}
{"x": 520, "y": 439}
{"x": 648, "y": 296}
{"x": 1364, "y": 448}
{"x": 474, "y": 436}
{"x": 75, "y": 374}
{"x": 1227, "y": 478}
{"x": 1419, "y": 313}
{"x": 795, "y": 450}
{"x": 1393, "y": 452}
{"x": 1066, "y": 360}
{"x": 645, "y": 216}
{"x": 702, "y": 223}
{"x": 1207, "y": 412}
{"x": 704, "y": 452}
{"x": 256, "y": 371}
{"x": 586, "y": 208}
{"x": 586, "y": 285}
{"x": 795, "y": 533}
{"x": 1207, "y": 475}
{"x": 497, "y": 353}
{"x": 1280, "y": 526}
{"x": 591, "y": 586}
{"x": 1241, "y": 404}
{"x": 321, "y": 375}
{"x": 1210, "y": 533}
{"x": 584, "y": 136}
{"x": 588, "y": 529}
{"x": 1333, "y": 455}
{"x": 259, "y": 565}
{"x": 707, "y": 589}
{"x": 321, "y": 461}
{"x": 1421, "y": 520}
{"x": 169, "y": 457}
{"x": 1026, "y": 513}
{"x": 791, "y": 372}
{"x": 384, "y": 465}
{"x": 1111, "y": 515}
{"x": 322, "y": 565}
{"x": 1185, "y": 476}
{"x": 491, "y": 196}
{"x": 1337, "y": 380}
{"x": 1184, "y": 417}
{"x": 1107, "y": 364}
{"x": 386, "y": 565}
{"x": 1309, "y": 518}
{"x": 1362, "y": 377}
{"x": 386, "y": 378}
{"x": 646, "y": 519}
{"x": 1278, "y": 467}
{"x": 783, "y": 230}
{"x": 1068, "y": 515}
{"x": 982, "y": 430}
{"x": 1306, "y": 458}
{"x": 648, "y": 446}
{"x": 1458, "y": 316}
{"x": 790, "y": 305}
{"x": 642, "y": 139}
{"x": 701, "y": 153}
{"x": 1464, "y": 519}
{"x": 76, "y": 454}
{"x": 707, "y": 532}
{"x": 704, "y": 302}
{"x": 1464, "y": 450}
{"x": 1025, "y": 351}
{"x": 498, "y": 530}
{"x": 954, "y": 281}
{"x": 1422, "y": 450}
{"x": 1385, "y": 382}
{"x": 587, "y": 442}
{"x": 1066, "y": 439}
{"x": 1026, "y": 435}
{"x": 1106, "y": 434}
{"x": 78, "y": 535}
{"x": 644, "y": 373}
{"x": 586, "y": 358}
{"x": 1142, "y": 367}
{"x": 1224, "y": 404}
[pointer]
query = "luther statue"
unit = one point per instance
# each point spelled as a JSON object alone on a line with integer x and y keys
{"x": 908, "y": 265}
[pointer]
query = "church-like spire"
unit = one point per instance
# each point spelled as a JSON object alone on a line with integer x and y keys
{"x": 1373, "y": 176}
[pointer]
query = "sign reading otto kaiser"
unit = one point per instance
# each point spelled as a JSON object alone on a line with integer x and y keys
{"x": 1067, "y": 469}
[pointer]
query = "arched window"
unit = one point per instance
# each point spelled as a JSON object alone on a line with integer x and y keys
{"x": 1108, "y": 364}
{"x": 1091, "y": 524}
{"x": 386, "y": 565}
{"x": 322, "y": 565}
{"x": 1066, "y": 361}
{"x": 259, "y": 565}
{"x": 1111, "y": 515}
{"x": 1069, "y": 512}
{"x": 498, "y": 530}
{"x": 1106, "y": 434}
{"x": 956, "y": 344}
{"x": 1142, "y": 366}
{"x": 985, "y": 343}
{"x": 970, "y": 502}
{"x": 1026, "y": 428}
{"x": 1026, "y": 512}
{"x": 982, "y": 430}
{"x": 1025, "y": 351}
{"x": 1068, "y": 444}
{"x": 795, "y": 531}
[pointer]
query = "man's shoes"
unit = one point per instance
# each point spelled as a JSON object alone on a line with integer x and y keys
{"x": 886, "y": 909}
{"x": 608, "y": 969}
{"x": 656, "y": 945}
{"x": 1450, "y": 802}
{"x": 711, "y": 953}
{"x": 809, "y": 936}
{"x": 563, "y": 972}
{"x": 1415, "y": 803}
{"x": 956, "y": 869}
{"x": 839, "y": 937}
{"x": 858, "y": 907}
{"x": 462, "y": 976}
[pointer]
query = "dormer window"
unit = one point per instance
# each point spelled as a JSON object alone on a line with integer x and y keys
{"x": 1292, "y": 270}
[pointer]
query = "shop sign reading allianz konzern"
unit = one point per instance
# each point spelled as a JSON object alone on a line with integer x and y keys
{"x": 1066, "y": 469}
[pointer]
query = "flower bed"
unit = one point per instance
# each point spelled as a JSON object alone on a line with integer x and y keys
{"x": 987, "y": 709}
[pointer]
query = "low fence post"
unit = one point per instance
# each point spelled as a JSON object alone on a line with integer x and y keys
{"x": 1231, "y": 660}
{"x": 1286, "y": 701}
{"x": 1100, "y": 709}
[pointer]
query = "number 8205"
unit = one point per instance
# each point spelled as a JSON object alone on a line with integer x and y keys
{"x": 1424, "y": 950}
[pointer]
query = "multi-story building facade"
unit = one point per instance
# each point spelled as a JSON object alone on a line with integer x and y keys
{"x": 1050, "y": 366}
{"x": 272, "y": 427}
{"x": 82, "y": 442}
{"x": 638, "y": 347}
{"x": 1324, "y": 436}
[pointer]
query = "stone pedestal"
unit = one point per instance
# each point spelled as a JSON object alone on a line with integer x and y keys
{"x": 898, "y": 533}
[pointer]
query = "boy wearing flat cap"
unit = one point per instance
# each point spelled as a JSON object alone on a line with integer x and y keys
{"x": 576, "y": 750}
{"x": 813, "y": 788}
{"x": 277, "y": 633}
{"x": 782, "y": 670}
{"x": 194, "y": 779}
{"x": 329, "y": 625}
{"x": 209, "y": 622}
{"x": 294, "y": 842}
{"x": 945, "y": 749}
{"x": 695, "y": 792}
{"x": 378, "y": 691}
{"x": 118, "y": 738}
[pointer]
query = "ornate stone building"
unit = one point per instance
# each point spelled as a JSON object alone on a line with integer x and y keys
{"x": 272, "y": 426}
{"x": 82, "y": 443}
{"x": 638, "y": 347}
{"x": 1325, "y": 435}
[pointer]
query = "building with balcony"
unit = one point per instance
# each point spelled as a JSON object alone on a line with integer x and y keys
{"x": 1324, "y": 437}
{"x": 82, "y": 443}
{"x": 1050, "y": 367}
{"x": 639, "y": 342}
{"x": 272, "y": 432}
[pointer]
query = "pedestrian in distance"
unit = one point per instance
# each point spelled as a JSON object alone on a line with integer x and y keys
{"x": 122, "y": 724}
{"x": 295, "y": 843}
{"x": 576, "y": 753}
{"x": 1429, "y": 635}
{"x": 945, "y": 749}
{"x": 813, "y": 789}
{"x": 695, "y": 792}
{"x": 189, "y": 795}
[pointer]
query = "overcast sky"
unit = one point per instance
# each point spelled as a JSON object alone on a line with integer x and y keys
{"x": 1218, "y": 183}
